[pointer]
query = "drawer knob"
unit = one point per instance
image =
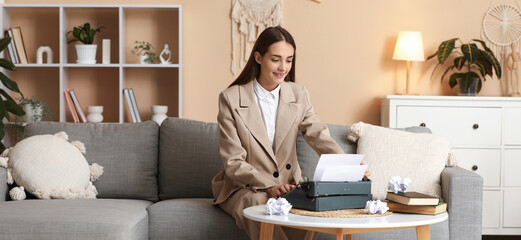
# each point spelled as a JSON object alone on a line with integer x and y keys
{"x": 423, "y": 124}
{"x": 475, "y": 126}
{"x": 475, "y": 167}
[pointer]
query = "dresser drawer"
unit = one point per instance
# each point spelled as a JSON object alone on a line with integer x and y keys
{"x": 512, "y": 162}
{"x": 512, "y": 126}
{"x": 485, "y": 162}
{"x": 512, "y": 213}
{"x": 460, "y": 125}
{"x": 491, "y": 209}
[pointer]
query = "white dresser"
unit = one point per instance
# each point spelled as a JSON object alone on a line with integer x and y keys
{"x": 486, "y": 135}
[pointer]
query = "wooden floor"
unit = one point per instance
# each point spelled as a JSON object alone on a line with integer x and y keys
{"x": 502, "y": 237}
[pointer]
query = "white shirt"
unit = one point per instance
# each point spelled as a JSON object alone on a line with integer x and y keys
{"x": 268, "y": 103}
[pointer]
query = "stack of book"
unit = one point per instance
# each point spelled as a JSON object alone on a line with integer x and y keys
{"x": 415, "y": 202}
{"x": 132, "y": 104}
{"x": 74, "y": 106}
{"x": 16, "y": 48}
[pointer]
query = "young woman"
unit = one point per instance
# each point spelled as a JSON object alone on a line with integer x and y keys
{"x": 260, "y": 115}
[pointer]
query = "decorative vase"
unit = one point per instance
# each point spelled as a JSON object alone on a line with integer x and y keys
{"x": 95, "y": 114}
{"x": 468, "y": 87}
{"x": 159, "y": 113}
{"x": 32, "y": 114}
{"x": 142, "y": 59}
{"x": 86, "y": 53}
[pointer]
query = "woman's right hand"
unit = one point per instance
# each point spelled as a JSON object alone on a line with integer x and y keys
{"x": 279, "y": 190}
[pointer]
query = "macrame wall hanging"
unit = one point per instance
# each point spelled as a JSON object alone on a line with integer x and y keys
{"x": 501, "y": 30}
{"x": 249, "y": 19}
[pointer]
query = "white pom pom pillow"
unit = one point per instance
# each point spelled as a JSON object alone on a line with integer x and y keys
{"x": 390, "y": 152}
{"x": 49, "y": 166}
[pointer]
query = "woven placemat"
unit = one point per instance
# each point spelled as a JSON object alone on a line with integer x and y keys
{"x": 343, "y": 213}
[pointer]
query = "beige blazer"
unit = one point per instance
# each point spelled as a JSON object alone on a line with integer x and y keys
{"x": 246, "y": 152}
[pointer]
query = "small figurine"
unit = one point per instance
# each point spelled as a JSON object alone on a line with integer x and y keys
{"x": 167, "y": 52}
{"x": 41, "y": 51}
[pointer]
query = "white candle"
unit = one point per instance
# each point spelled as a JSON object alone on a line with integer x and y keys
{"x": 106, "y": 51}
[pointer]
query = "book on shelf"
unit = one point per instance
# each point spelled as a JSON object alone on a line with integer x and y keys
{"x": 412, "y": 198}
{"x": 129, "y": 104}
{"x": 19, "y": 44}
{"x": 77, "y": 105}
{"x": 12, "y": 48}
{"x": 9, "y": 51}
{"x": 441, "y": 207}
{"x": 134, "y": 104}
{"x": 71, "y": 105}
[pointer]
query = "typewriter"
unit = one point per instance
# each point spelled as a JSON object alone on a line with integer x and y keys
{"x": 324, "y": 196}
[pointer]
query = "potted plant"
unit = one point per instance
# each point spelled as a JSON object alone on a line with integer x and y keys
{"x": 87, "y": 52}
{"x": 471, "y": 64}
{"x": 35, "y": 110}
{"x": 143, "y": 50}
{"x": 7, "y": 103}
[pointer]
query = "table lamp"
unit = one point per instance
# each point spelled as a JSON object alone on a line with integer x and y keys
{"x": 409, "y": 47}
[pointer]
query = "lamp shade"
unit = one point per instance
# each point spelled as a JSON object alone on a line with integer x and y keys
{"x": 409, "y": 46}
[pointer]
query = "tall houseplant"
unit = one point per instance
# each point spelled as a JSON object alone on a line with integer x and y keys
{"x": 7, "y": 103}
{"x": 87, "y": 52}
{"x": 471, "y": 64}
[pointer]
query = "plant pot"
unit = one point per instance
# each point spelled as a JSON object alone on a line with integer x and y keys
{"x": 86, "y": 53}
{"x": 142, "y": 59}
{"x": 32, "y": 114}
{"x": 468, "y": 86}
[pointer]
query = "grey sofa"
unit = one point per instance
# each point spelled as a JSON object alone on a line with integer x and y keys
{"x": 156, "y": 185}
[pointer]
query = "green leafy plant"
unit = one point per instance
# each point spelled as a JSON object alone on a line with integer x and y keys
{"x": 40, "y": 112}
{"x": 84, "y": 34}
{"x": 7, "y": 103}
{"x": 143, "y": 48}
{"x": 470, "y": 62}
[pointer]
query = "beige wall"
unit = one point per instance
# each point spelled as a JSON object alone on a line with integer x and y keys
{"x": 344, "y": 50}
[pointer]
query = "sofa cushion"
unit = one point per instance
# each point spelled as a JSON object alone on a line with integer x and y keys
{"x": 74, "y": 219}
{"x": 49, "y": 166}
{"x": 128, "y": 153}
{"x": 191, "y": 219}
{"x": 188, "y": 153}
{"x": 308, "y": 158}
{"x": 389, "y": 152}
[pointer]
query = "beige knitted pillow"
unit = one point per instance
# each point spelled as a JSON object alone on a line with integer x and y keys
{"x": 49, "y": 166}
{"x": 389, "y": 152}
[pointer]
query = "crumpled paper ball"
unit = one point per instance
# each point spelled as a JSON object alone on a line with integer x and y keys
{"x": 279, "y": 206}
{"x": 376, "y": 207}
{"x": 398, "y": 184}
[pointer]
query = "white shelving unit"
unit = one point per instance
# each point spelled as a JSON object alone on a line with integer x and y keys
{"x": 485, "y": 133}
{"x": 121, "y": 65}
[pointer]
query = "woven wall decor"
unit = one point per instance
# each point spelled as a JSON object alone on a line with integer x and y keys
{"x": 501, "y": 30}
{"x": 249, "y": 19}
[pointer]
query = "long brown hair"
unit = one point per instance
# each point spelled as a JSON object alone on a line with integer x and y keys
{"x": 268, "y": 37}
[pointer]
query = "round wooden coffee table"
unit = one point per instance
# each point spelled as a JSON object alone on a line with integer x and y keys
{"x": 343, "y": 226}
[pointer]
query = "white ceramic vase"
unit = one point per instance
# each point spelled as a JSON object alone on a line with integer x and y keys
{"x": 32, "y": 115}
{"x": 95, "y": 114}
{"x": 159, "y": 113}
{"x": 86, "y": 53}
